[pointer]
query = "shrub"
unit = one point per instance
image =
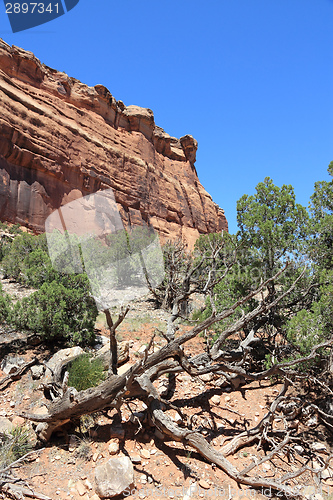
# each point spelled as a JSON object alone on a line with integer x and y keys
{"x": 59, "y": 313}
{"x": 5, "y": 243}
{"x": 14, "y": 445}
{"x": 37, "y": 269}
{"x": 85, "y": 372}
{"x": 14, "y": 263}
{"x": 5, "y": 306}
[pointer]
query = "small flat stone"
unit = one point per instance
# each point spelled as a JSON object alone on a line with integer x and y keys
{"x": 5, "y": 425}
{"x": 204, "y": 484}
{"x": 113, "y": 448}
{"x": 319, "y": 447}
{"x": 316, "y": 464}
{"x": 326, "y": 474}
{"x": 18, "y": 421}
{"x": 227, "y": 399}
{"x": 88, "y": 484}
{"x": 81, "y": 488}
{"x": 177, "y": 418}
{"x": 216, "y": 399}
{"x": 136, "y": 459}
{"x": 145, "y": 453}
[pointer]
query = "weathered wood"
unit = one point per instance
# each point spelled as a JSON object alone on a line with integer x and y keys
{"x": 17, "y": 374}
{"x": 113, "y": 342}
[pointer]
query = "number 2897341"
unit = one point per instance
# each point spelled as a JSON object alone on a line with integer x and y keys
{"x": 32, "y": 8}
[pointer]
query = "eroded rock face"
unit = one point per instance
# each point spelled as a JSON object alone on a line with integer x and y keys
{"x": 60, "y": 140}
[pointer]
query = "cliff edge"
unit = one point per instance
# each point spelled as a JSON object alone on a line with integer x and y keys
{"x": 61, "y": 139}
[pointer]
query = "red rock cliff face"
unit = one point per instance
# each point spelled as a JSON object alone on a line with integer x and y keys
{"x": 60, "y": 140}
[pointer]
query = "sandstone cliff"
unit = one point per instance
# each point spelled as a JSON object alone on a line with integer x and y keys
{"x": 60, "y": 139}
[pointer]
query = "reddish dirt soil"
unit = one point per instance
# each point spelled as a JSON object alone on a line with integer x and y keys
{"x": 167, "y": 470}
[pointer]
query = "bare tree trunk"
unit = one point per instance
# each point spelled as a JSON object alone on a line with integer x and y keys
{"x": 113, "y": 341}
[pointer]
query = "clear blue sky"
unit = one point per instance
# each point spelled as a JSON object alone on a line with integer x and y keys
{"x": 251, "y": 80}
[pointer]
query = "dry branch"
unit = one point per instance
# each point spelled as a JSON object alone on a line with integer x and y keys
{"x": 17, "y": 374}
{"x": 137, "y": 382}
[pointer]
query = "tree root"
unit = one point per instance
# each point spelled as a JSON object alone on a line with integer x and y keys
{"x": 192, "y": 438}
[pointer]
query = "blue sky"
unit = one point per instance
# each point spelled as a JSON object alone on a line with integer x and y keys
{"x": 251, "y": 80}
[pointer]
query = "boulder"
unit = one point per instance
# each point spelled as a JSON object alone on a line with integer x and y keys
{"x": 115, "y": 477}
{"x": 10, "y": 364}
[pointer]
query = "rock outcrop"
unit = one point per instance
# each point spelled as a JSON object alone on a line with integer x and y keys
{"x": 61, "y": 139}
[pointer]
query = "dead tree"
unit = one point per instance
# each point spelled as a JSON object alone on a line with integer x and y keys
{"x": 200, "y": 277}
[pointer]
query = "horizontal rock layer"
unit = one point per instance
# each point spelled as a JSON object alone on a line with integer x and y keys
{"x": 61, "y": 139}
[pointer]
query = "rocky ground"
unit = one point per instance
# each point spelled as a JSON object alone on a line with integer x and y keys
{"x": 71, "y": 465}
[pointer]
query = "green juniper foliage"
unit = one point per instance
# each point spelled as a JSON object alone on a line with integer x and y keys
{"x": 274, "y": 230}
{"x": 314, "y": 324}
{"x": 85, "y": 372}
{"x": 58, "y": 312}
{"x": 62, "y": 309}
{"x": 5, "y": 306}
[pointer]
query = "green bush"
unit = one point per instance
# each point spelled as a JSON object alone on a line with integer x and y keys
{"x": 85, "y": 372}
{"x": 59, "y": 313}
{"x": 5, "y": 243}
{"x": 62, "y": 309}
{"x": 37, "y": 269}
{"x": 16, "y": 262}
{"x": 5, "y": 306}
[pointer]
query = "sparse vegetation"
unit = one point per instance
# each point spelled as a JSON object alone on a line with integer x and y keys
{"x": 85, "y": 372}
{"x": 5, "y": 306}
{"x": 267, "y": 314}
{"x": 84, "y": 449}
{"x": 61, "y": 310}
{"x": 14, "y": 445}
